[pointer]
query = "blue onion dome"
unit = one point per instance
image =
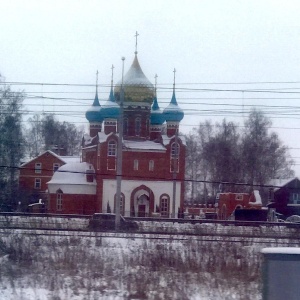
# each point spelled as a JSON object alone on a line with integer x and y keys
{"x": 137, "y": 86}
{"x": 173, "y": 113}
{"x": 93, "y": 114}
{"x": 110, "y": 109}
{"x": 157, "y": 116}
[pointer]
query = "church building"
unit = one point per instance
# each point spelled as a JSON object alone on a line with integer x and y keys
{"x": 153, "y": 155}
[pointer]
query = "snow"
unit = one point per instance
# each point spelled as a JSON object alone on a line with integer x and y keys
{"x": 87, "y": 265}
{"x": 70, "y": 159}
{"x": 166, "y": 139}
{"x": 281, "y": 250}
{"x": 143, "y": 146}
{"x": 71, "y": 179}
{"x": 278, "y": 183}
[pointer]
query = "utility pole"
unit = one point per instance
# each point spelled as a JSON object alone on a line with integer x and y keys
{"x": 119, "y": 153}
{"x": 175, "y": 167}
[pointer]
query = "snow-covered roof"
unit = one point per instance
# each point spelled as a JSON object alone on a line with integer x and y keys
{"x": 48, "y": 151}
{"x": 71, "y": 179}
{"x": 65, "y": 159}
{"x": 103, "y": 136}
{"x": 281, "y": 250}
{"x": 70, "y": 159}
{"x": 166, "y": 139}
{"x": 143, "y": 146}
{"x": 278, "y": 183}
{"x": 72, "y": 173}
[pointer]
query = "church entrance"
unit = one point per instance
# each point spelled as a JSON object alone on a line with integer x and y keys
{"x": 142, "y": 202}
{"x": 142, "y": 210}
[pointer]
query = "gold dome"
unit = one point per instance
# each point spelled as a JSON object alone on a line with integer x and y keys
{"x": 137, "y": 86}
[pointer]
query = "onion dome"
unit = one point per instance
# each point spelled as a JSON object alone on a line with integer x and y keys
{"x": 110, "y": 109}
{"x": 157, "y": 116}
{"x": 93, "y": 113}
{"x": 173, "y": 113}
{"x": 136, "y": 85}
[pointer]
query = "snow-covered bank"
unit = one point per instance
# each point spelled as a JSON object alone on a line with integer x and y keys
{"x": 43, "y": 267}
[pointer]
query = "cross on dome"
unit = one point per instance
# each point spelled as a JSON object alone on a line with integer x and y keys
{"x": 97, "y": 77}
{"x": 112, "y": 75}
{"x": 136, "y": 36}
{"x": 155, "y": 86}
{"x": 174, "y": 79}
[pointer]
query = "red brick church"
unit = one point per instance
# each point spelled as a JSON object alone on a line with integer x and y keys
{"x": 153, "y": 162}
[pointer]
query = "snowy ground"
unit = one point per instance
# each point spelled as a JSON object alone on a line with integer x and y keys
{"x": 39, "y": 267}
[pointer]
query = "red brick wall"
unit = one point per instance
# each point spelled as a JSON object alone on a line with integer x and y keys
{"x": 28, "y": 175}
{"x": 73, "y": 204}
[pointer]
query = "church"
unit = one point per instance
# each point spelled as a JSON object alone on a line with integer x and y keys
{"x": 153, "y": 155}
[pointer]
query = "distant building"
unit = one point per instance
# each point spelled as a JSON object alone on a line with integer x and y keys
{"x": 284, "y": 196}
{"x": 153, "y": 163}
{"x": 35, "y": 173}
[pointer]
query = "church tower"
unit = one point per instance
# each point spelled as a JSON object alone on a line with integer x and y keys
{"x": 153, "y": 163}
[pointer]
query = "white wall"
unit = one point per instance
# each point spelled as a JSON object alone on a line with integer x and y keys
{"x": 158, "y": 188}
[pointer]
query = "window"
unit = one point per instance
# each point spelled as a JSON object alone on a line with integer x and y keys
{"x": 239, "y": 197}
{"x": 125, "y": 126}
{"x": 38, "y": 168}
{"x": 55, "y": 167}
{"x": 151, "y": 165}
{"x": 59, "y": 198}
{"x": 296, "y": 198}
{"x": 137, "y": 126}
{"x": 112, "y": 148}
{"x": 37, "y": 183}
{"x": 164, "y": 206}
{"x": 174, "y": 150}
{"x": 135, "y": 165}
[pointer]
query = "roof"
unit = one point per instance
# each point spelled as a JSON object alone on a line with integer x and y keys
{"x": 47, "y": 151}
{"x": 173, "y": 112}
{"x": 166, "y": 139}
{"x": 157, "y": 116}
{"x": 72, "y": 173}
{"x": 281, "y": 250}
{"x": 93, "y": 113}
{"x": 279, "y": 183}
{"x": 69, "y": 159}
{"x": 143, "y": 146}
{"x": 137, "y": 87}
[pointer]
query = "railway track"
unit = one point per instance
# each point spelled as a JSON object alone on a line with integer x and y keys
{"x": 245, "y": 240}
{"x": 170, "y": 228}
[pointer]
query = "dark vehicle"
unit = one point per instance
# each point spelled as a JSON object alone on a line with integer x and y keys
{"x": 106, "y": 221}
{"x": 251, "y": 215}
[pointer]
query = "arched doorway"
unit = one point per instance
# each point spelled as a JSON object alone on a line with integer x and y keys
{"x": 143, "y": 206}
{"x": 142, "y": 202}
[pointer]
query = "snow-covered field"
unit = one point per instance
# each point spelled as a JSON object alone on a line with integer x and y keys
{"x": 91, "y": 266}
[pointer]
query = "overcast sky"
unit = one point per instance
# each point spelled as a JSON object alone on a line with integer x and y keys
{"x": 228, "y": 47}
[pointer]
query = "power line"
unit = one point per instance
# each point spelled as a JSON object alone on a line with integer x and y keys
{"x": 142, "y": 177}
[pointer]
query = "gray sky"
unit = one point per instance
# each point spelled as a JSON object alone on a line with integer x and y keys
{"x": 215, "y": 45}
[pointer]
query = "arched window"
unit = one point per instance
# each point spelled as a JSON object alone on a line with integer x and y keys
{"x": 112, "y": 148}
{"x": 164, "y": 205}
{"x": 151, "y": 165}
{"x": 175, "y": 150}
{"x": 125, "y": 126}
{"x": 138, "y": 126}
{"x": 59, "y": 200}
